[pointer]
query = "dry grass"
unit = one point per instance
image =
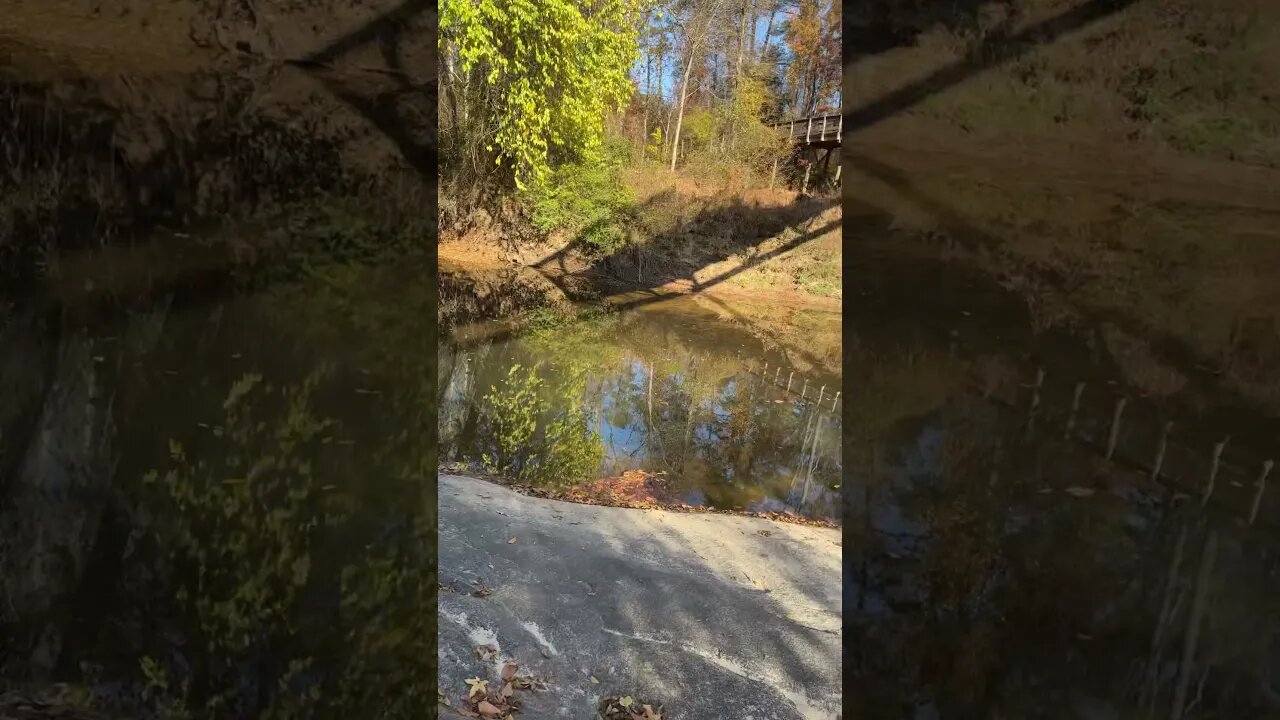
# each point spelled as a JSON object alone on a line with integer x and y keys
{"x": 714, "y": 230}
{"x": 1190, "y": 76}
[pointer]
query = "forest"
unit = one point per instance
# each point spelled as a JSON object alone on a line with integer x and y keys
{"x": 551, "y": 114}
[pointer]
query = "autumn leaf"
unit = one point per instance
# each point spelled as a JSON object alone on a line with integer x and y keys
{"x": 512, "y": 541}
{"x": 487, "y": 708}
{"x": 476, "y": 685}
{"x": 486, "y": 652}
{"x": 509, "y": 671}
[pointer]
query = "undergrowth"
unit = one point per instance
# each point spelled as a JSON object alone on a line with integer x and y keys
{"x": 587, "y": 200}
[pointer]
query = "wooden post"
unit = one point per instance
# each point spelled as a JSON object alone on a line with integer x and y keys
{"x": 1262, "y": 487}
{"x": 1075, "y": 409}
{"x": 806, "y": 387}
{"x": 775, "y": 374}
{"x": 824, "y": 389}
{"x": 835, "y": 400}
{"x": 1164, "y": 445}
{"x": 1115, "y": 426}
{"x": 1213, "y": 471}
{"x": 774, "y": 175}
{"x": 804, "y": 187}
{"x": 838, "y": 168}
{"x": 789, "y": 376}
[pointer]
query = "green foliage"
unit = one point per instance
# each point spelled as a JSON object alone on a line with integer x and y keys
{"x": 653, "y": 150}
{"x": 258, "y": 534}
{"x": 513, "y": 415}
{"x": 333, "y": 230}
{"x": 535, "y": 441}
{"x": 587, "y": 199}
{"x": 556, "y": 66}
{"x": 543, "y": 322}
{"x": 729, "y": 141}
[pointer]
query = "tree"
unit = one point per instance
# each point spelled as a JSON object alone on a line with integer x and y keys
{"x": 812, "y": 34}
{"x": 552, "y": 68}
{"x": 698, "y": 25}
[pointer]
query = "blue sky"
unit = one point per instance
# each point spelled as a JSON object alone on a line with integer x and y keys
{"x": 672, "y": 73}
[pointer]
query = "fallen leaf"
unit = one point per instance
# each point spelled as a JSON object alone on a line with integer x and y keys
{"x": 476, "y": 685}
{"x": 487, "y": 708}
{"x": 509, "y": 671}
{"x": 546, "y": 653}
{"x": 512, "y": 541}
{"x": 625, "y": 701}
{"x": 486, "y": 652}
{"x": 507, "y": 690}
{"x": 594, "y": 681}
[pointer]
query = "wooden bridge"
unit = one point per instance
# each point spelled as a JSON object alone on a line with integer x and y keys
{"x": 813, "y": 133}
{"x": 817, "y": 131}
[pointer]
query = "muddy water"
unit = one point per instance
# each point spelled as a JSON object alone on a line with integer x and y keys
{"x": 671, "y": 388}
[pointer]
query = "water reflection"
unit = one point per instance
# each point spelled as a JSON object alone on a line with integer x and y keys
{"x": 672, "y": 389}
{"x": 199, "y": 523}
{"x": 1023, "y": 549}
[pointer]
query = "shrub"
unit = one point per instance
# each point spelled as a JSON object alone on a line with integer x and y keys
{"x": 586, "y": 199}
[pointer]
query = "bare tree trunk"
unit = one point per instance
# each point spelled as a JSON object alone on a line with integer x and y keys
{"x": 446, "y": 88}
{"x": 768, "y": 30}
{"x": 1198, "y": 607}
{"x": 648, "y": 101}
{"x": 1162, "y": 623}
{"x": 651, "y": 395}
{"x": 684, "y": 92}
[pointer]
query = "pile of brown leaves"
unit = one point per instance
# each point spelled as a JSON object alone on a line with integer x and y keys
{"x": 644, "y": 490}
{"x": 648, "y": 491}
{"x": 500, "y": 703}
{"x": 634, "y": 489}
{"x": 625, "y": 707}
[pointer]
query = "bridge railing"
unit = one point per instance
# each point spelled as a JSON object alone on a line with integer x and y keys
{"x": 814, "y": 129}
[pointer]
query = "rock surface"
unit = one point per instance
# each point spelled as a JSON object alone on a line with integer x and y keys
{"x": 712, "y": 616}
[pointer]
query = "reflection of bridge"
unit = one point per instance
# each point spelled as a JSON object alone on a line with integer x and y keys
{"x": 817, "y": 131}
{"x": 1132, "y": 433}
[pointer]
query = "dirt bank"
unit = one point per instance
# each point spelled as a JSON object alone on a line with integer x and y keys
{"x": 766, "y": 245}
{"x": 139, "y": 118}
